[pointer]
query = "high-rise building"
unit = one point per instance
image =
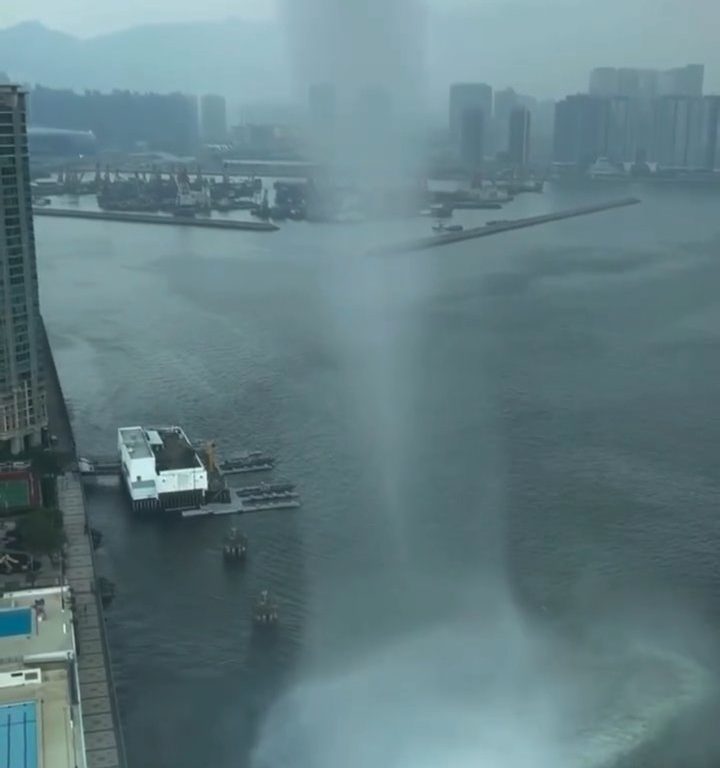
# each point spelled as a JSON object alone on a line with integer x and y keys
{"x": 519, "y": 138}
{"x": 682, "y": 81}
{"x": 213, "y": 119}
{"x": 603, "y": 81}
{"x": 580, "y": 133}
{"x": 678, "y": 132}
{"x": 121, "y": 120}
{"x": 647, "y": 83}
{"x": 711, "y": 132}
{"x": 621, "y": 138}
{"x": 505, "y": 102}
{"x": 464, "y": 96}
{"x": 472, "y": 137}
{"x": 23, "y": 414}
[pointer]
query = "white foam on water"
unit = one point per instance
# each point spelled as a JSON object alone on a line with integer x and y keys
{"x": 481, "y": 695}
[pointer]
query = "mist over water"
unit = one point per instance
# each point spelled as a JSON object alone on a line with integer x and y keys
{"x": 372, "y": 53}
{"x": 439, "y": 667}
{"x": 358, "y": 44}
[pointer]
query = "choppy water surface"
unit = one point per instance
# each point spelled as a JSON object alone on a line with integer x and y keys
{"x": 508, "y": 549}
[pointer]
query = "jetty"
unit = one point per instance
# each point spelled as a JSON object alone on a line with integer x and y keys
{"x": 204, "y": 222}
{"x": 499, "y": 227}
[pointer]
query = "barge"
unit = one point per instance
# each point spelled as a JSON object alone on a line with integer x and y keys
{"x": 252, "y": 461}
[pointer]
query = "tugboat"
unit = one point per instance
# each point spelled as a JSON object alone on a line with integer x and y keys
{"x": 265, "y": 610}
{"x": 235, "y": 546}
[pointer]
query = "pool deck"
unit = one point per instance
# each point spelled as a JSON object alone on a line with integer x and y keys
{"x": 103, "y": 737}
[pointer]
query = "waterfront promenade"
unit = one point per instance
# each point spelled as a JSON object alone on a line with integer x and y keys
{"x": 101, "y": 718}
{"x": 101, "y": 722}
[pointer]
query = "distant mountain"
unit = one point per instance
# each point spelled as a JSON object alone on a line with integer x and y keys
{"x": 243, "y": 60}
{"x": 539, "y": 47}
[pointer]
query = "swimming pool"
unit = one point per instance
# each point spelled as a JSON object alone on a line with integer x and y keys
{"x": 15, "y": 621}
{"x": 18, "y": 735}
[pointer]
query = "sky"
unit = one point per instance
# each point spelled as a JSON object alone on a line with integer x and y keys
{"x": 91, "y": 17}
{"x": 86, "y": 18}
{"x": 542, "y": 47}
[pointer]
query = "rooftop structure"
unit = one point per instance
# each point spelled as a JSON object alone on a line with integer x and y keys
{"x": 161, "y": 468}
{"x": 40, "y": 710}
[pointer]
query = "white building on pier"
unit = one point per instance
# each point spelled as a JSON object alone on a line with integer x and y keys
{"x": 161, "y": 469}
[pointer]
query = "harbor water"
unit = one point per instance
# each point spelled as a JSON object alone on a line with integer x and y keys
{"x": 506, "y": 449}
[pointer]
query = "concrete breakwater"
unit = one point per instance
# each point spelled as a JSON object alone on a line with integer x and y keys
{"x": 151, "y": 218}
{"x": 503, "y": 226}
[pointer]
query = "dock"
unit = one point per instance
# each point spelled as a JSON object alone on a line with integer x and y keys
{"x": 506, "y": 226}
{"x": 264, "y": 489}
{"x": 253, "y": 461}
{"x": 242, "y": 507}
{"x": 151, "y": 218}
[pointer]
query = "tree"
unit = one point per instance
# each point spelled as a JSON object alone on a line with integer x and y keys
{"x": 41, "y": 531}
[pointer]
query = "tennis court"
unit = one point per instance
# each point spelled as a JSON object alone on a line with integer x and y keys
{"x": 14, "y": 494}
{"x": 18, "y": 735}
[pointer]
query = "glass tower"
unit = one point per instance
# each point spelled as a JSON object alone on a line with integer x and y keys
{"x": 23, "y": 414}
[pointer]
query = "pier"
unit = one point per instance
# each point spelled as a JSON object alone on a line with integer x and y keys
{"x": 505, "y": 226}
{"x": 106, "y": 465}
{"x": 151, "y": 218}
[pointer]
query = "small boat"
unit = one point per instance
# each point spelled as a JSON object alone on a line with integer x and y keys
{"x": 265, "y": 609}
{"x": 106, "y": 590}
{"x": 95, "y": 537}
{"x": 454, "y": 228}
{"x": 235, "y": 545}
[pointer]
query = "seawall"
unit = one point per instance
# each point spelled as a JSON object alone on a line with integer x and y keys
{"x": 104, "y": 742}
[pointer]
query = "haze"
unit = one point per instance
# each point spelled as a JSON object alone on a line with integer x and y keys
{"x": 543, "y": 47}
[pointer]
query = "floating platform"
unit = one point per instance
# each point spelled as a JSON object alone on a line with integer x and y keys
{"x": 290, "y": 501}
{"x": 253, "y": 461}
{"x": 243, "y": 507}
{"x": 211, "y": 510}
{"x": 264, "y": 489}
